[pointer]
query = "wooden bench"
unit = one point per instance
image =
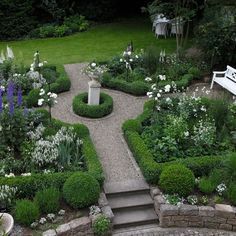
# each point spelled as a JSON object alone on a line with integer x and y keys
{"x": 226, "y": 79}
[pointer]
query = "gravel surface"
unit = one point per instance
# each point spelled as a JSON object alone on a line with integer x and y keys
{"x": 106, "y": 134}
{"x": 157, "y": 231}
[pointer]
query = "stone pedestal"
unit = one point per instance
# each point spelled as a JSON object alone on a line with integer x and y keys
{"x": 94, "y": 92}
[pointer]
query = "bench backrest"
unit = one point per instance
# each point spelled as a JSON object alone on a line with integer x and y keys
{"x": 231, "y": 73}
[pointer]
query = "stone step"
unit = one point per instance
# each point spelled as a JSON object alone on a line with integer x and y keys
{"x": 111, "y": 188}
{"x": 135, "y": 217}
{"x": 129, "y": 200}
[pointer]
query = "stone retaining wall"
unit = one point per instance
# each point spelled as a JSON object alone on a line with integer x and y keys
{"x": 78, "y": 227}
{"x": 219, "y": 217}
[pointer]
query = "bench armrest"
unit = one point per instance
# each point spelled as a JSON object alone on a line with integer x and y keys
{"x": 219, "y": 72}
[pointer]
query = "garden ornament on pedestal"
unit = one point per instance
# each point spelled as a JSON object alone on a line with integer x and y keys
{"x": 94, "y": 92}
{"x": 6, "y": 223}
{"x": 94, "y": 71}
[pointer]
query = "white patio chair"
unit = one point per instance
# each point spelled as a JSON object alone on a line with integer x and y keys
{"x": 161, "y": 29}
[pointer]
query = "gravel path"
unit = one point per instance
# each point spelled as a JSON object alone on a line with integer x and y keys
{"x": 116, "y": 159}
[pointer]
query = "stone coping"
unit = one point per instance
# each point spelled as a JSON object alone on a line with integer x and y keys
{"x": 80, "y": 226}
{"x": 221, "y": 216}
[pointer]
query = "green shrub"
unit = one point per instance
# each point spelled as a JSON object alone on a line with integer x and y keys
{"x": 101, "y": 225}
{"x": 138, "y": 88}
{"x": 80, "y": 106}
{"x": 61, "y": 30}
{"x": 26, "y": 212}
{"x": 206, "y": 186}
{"x": 151, "y": 170}
{"x": 195, "y": 72}
{"x": 46, "y": 31}
{"x": 231, "y": 193}
{"x": 92, "y": 160}
{"x": 202, "y": 166}
{"x": 151, "y": 59}
{"x": 81, "y": 190}
{"x": 177, "y": 179}
{"x": 132, "y": 125}
{"x": 48, "y": 200}
{"x": 32, "y": 98}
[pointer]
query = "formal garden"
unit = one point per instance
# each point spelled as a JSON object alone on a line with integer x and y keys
{"x": 165, "y": 92}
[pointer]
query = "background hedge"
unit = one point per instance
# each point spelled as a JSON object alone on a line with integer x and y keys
{"x": 19, "y": 17}
{"x": 81, "y": 107}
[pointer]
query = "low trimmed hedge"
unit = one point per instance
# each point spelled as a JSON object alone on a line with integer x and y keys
{"x": 138, "y": 88}
{"x": 28, "y": 185}
{"x": 81, "y": 107}
{"x": 151, "y": 169}
{"x": 62, "y": 84}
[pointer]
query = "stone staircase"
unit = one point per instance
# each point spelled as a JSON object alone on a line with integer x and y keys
{"x": 131, "y": 203}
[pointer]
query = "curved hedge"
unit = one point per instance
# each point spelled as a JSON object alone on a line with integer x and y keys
{"x": 138, "y": 88}
{"x": 28, "y": 185}
{"x": 81, "y": 108}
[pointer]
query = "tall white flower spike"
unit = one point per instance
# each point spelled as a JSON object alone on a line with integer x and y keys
{"x": 2, "y": 58}
{"x": 10, "y": 54}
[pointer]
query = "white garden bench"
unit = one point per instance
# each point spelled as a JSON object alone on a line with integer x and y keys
{"x": 226, "y": 79}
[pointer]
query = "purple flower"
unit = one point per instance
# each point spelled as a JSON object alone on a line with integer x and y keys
{"x": 10, "y": 97}
{"x": 19, "y": 97}
{"x": 1, "y": 104}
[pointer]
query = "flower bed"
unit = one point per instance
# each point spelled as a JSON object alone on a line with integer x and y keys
{"x": 191, "y": 132}
{"x": 29, "y": 81}
{"x": 134, "y": 72}
{"x": 81, "y": 107}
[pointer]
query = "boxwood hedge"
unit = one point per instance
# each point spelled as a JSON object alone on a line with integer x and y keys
{"x": 81, "y": 107}
{"x": 138, "y": 88}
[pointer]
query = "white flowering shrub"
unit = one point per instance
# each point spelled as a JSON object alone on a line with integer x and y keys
{"x": 94, "y": 70}
{"x": 204, "y": 133}
{"x": 37, "y": 133}
{"x": 59, "y": 152}
{"x": 45, "y": 153}
{"x": 221, "y": 188}
{"x": 7, "y": 195}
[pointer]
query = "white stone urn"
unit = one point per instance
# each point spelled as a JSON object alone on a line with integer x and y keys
{"x": 94, "y": 91}
{"x": 7, "y": 223}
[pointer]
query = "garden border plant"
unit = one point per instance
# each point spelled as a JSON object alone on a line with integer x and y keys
{"x": 151, "y": 169}
{"x": 61, "y": 84}
{"x": 81, "y": 107}
{"x": 27, "y": 186}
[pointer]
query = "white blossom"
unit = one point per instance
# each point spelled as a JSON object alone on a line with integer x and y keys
{"x": 148, "y": 79}
{"x": 40, "y": 101}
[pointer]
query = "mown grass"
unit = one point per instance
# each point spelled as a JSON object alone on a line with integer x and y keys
{"x": 100, "y": 42}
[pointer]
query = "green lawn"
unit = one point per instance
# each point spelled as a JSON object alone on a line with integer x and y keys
{"x": 100, "y": 42}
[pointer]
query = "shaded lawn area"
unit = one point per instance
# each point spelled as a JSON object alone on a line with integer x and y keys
{"x": 100, "y": 42}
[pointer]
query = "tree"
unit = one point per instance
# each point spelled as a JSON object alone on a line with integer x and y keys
{"x": 179, "y": 10}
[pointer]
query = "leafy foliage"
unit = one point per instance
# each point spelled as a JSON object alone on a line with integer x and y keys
{"x": 81, "y": 190}
{"x": 26, "y": 212}
{"x": 177, "y": 179}
{"x": 48, "y": 200}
